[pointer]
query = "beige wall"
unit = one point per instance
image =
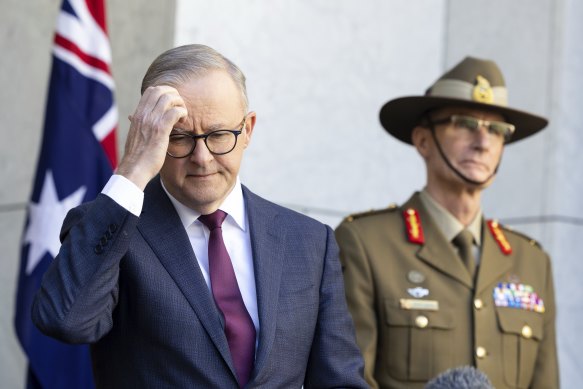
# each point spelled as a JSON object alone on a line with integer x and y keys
{"x": 139, "y": 30}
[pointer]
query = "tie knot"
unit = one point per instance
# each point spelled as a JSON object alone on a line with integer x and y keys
{"x": 213, "y": 220}
{"x": 464, "y": 239}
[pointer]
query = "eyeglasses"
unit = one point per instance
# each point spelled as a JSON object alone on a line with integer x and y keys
{"x": 471, "y": 124}
{"x": 218, "y": 142}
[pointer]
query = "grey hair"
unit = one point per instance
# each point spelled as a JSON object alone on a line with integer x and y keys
{"x": 464, "y": 377}
{"x": 176, "y": 66}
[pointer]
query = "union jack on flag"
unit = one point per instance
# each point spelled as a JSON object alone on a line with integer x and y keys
{"x": 77, "y": 157}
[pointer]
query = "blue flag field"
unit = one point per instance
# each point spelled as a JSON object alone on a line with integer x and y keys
{"x": 77, "y": 157}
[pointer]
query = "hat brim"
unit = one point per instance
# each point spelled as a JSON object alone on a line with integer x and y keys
{"x": 400, "y": 116}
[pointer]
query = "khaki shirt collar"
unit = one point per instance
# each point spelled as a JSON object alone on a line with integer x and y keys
{"x": 447, "y": 223}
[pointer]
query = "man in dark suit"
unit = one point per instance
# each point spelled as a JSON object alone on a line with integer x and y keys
{"x": 178, "y": 275}
{"x": 432, "y": 284}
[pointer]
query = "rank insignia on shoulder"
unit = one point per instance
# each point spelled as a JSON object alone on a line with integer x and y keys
{"x": 499, "y": 237}
{"x": 520, "y": 296}
{"x": 413, "y": 226}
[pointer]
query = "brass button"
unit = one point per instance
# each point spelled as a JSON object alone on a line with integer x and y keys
{"x": 478, "y": 304}
{"x": 526, "y": 332}
{"x": 421, "y": 321}
{"x": 480, "y": 352}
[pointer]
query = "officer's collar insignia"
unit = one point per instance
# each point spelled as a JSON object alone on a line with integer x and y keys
{"x": 499, "y": 237}
{"x": 519, "y": 296}
{"x": 415, "y": 277}
{"x": 413, "y": 225}
{"x": 482, "y": 91}
{"x": 418, "y": 292}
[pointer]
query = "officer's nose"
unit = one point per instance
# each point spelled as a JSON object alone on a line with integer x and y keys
{"x": 483, "y": 139}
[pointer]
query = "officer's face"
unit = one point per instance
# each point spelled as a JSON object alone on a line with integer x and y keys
{"x": 203, "y": 180}
{"x": 474, "y": 153}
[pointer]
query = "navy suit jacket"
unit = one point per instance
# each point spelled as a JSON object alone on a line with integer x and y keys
{"x": 132, "y": 288}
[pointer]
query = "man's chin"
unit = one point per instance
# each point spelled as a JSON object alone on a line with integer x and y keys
{"x": 482, "y": 180}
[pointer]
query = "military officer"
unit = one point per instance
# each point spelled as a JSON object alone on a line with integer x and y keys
{"x": 433, "y": 284}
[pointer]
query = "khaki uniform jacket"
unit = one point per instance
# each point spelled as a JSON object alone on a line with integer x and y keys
{"x": 405, "y": 347}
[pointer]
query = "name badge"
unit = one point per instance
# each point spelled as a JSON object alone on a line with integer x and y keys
{"x": 421, "y": 305}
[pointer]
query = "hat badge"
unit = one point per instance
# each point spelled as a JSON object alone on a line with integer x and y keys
{"x": 482, "y": 91}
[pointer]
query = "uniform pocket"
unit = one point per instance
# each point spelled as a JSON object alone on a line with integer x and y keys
{"x": 522, "y": 332}
{"x": 416, "y": 339}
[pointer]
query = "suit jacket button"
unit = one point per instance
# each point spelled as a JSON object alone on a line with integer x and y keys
{"x": 421, "y": 321}
{"x": 112, "y": 228}
{"x": 478, "y": 304}
{"x": 526, "y": 332}
{"x": 103, "y": 241}
{"x": 481, "y": 352}
{"x": 98, "y": 249}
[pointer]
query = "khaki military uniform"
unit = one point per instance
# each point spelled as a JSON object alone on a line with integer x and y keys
{"x": 418, "y": 312}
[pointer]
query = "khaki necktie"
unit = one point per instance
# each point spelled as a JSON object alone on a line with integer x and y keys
{"x": 464, "y": 241}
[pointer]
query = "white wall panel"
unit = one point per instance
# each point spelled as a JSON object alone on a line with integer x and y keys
{"x": 318, "y": 73}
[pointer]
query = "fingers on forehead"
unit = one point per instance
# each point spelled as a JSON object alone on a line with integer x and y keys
{"x": 160, "y": 97}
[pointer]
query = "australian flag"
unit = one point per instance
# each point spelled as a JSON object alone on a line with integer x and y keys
{"x": 77, "y": 158}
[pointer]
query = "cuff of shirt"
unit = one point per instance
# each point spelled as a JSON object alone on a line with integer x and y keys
{"x": 125, "y": 193}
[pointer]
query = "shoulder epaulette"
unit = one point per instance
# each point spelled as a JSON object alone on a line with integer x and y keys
{"x": 530, "y": 240}
{"x": 371, "y": 212}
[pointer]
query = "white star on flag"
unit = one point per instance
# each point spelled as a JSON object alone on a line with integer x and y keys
{"x": 45, "y": 220}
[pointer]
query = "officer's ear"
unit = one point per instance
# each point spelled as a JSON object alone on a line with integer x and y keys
{"x": 421, "y": 138}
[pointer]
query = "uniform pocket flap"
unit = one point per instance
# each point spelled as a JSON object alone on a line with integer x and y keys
{"x": 395, "y": 315}
{"x": 527, "y": 324}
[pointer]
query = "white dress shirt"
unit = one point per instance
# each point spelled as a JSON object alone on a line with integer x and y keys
{"x": 235, "y": 233}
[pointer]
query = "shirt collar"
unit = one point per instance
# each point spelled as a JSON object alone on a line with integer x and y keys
{"x": 447, "y": 223}
{"x": 234, "y": 206}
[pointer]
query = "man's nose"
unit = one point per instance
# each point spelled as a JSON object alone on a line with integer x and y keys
{"x": 483, "y": 138}
{"x": 201, "y": 154}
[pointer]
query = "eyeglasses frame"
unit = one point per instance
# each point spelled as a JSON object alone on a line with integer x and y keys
{"x": 481, "y": 123}
{"x": 205, "y": 137}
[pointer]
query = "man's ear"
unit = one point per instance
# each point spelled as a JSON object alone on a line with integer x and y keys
{"x": 249, "y": 126}
{"x": 421, "y": 138}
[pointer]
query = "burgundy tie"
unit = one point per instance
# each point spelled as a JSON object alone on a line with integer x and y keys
{"x": 239, "y": 327}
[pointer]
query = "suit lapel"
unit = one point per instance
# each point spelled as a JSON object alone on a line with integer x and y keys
{"x": 267, "y": 243}
{"x": 161, "y": 227}
{"x": 436, "y": 250}
{"x": 493, "y": 262}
